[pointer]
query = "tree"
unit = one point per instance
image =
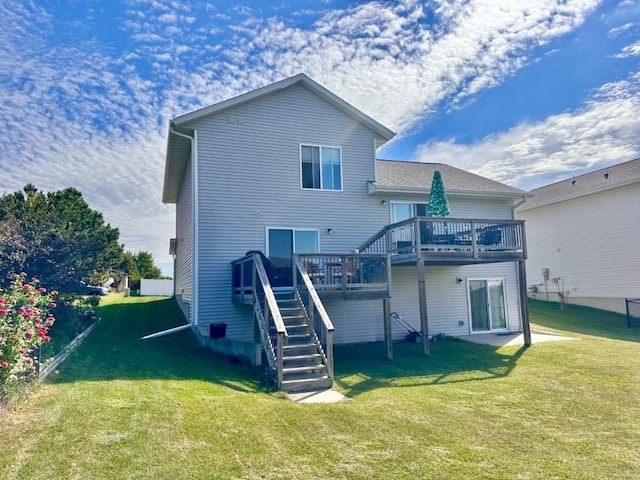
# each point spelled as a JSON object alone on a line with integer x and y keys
{"x": 129, "y": 265}
{"x": 146, "y": 267}
{"x": 140, "y": 265}
{"x": 56, "y": 237}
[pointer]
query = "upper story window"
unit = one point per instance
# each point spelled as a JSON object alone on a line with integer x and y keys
{"x": 321, "y": 167}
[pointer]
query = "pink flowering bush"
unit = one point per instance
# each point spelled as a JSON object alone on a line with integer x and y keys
{"x": 24, "y": 325}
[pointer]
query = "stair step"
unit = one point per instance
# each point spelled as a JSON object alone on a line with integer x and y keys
{"x": 304, "y": 370}
{"x": 290, "y": 305}
{"x": 292, "y": 329}
{"x": 299, "y": 336}
{"x": 287, "y": 310}
{"x": 310, "y": 357}
{"x": 306, "y": 385}
{"x": 294, "y": 332}
{"x": 300, "y": 349}
{"x": 293, "y": 318}
{"x": 284, "y": 294}
{"x": 309, "y": 362}
{"x": 299, "y": 339}
{"x": 293, "y": 321}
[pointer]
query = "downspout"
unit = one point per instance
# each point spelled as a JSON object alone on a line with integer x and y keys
{"x": 194, "y": 222}
{"x": 525, "y": 197}
{"x": 194, "y": 272}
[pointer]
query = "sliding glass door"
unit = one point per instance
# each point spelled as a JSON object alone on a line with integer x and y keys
{"x": 487, "y": 305}
{"x": 283, "y": 243}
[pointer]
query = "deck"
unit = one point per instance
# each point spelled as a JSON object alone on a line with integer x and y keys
{"x": 450, "y": 241}
{"x": 346, "y": 276}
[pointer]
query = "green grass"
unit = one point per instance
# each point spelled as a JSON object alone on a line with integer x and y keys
{"x": 167, "y": 409}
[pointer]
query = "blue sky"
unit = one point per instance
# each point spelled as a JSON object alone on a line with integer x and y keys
{"x": 524, "y": 92}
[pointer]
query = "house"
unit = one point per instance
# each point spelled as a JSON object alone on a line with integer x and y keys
{"x": 293, "y": 235}
{"x": 582, "y": 236}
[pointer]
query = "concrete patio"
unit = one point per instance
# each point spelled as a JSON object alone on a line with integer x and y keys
{"x": 516, "y": 338}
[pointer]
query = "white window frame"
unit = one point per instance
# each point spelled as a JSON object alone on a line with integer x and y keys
{"x": 413, "y": 208}
{"x": 322, "y": 188}
{"x": 293, "y": 229}
{"x": 505, "y": 292}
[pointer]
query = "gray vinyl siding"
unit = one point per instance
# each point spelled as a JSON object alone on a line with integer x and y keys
{"x": 462, "y": 207}
{"x": 591, "y": 242}
{"x": 249, "y": 179}
{"x": 184, "y": 246}
{"x": 447, "y": 303}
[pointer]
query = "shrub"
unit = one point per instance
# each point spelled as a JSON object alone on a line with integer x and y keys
{"x": 74, "y": 314}
{"x": 24, "y": 325}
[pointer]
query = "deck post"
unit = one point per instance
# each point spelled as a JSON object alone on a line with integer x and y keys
{"x": 524, "y": 309}
{"x": 343, "y": 276}
{"x": 474, "y": 239}
{"x": 254, "y": 278}
{"x": 257, "y": 339}
{"x": 388, "y": 337}
{"x": 422, "y": 296}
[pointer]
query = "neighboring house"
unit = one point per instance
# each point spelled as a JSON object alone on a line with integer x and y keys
{"x": 291, "y": 233}
{"x": 583, "y": 238}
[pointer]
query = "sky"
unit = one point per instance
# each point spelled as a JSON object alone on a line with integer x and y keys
{"x": 524, "y": 92}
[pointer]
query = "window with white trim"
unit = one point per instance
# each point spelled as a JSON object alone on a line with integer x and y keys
{"x": 405, "y": 210}
{"x": 321, "y": 167}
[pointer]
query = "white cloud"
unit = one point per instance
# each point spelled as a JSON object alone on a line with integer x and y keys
{"x": 78, "y": 112}
{"x": 605, "y": 131}
{"x": 386, "y": 59}
{"x": 616, "y": 31}
{"x": 632, "y": 50}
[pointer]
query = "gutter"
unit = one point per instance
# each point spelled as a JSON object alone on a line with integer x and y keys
{"x": 377, "y": 189}
{"x": 525, "y": 197}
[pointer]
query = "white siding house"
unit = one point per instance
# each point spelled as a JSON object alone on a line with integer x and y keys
{"x": 291, "y": 169}
{"x": 583, "y": 238}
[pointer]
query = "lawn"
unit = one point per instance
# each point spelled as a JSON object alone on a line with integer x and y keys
{"x": 166, "y": 409}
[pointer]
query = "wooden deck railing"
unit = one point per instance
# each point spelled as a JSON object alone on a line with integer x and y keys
{"x": 322, "y": 327}
{"x": 471, "y": 238}
{"x": 350, "y": 276}
{"x": 250, "y": 281}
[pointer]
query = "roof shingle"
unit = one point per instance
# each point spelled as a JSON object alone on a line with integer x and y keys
{"x": 419, "y": 175}
{"x": 599, "y": 180}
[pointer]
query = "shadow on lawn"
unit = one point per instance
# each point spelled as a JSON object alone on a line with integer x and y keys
{"x": 582, "y": 320}
{"x": 114, "y": 350}
{"x": 360, "y": 368}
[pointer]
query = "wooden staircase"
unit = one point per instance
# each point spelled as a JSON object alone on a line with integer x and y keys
{"x": 303, "y": 367}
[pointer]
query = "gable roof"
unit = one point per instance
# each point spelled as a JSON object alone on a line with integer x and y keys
{"x": 416, "y": 177}
{"x": 597, "y": 181}
{"x": 301, "y": 79}
{"x": 179, "y": 147}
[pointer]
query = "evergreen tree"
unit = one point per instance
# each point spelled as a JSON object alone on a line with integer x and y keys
{"x": 55, "y": 237}
{"x": 146, "y": 267}
{"x": 140, "y": 265}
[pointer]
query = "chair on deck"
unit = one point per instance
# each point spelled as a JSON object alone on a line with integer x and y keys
{"x": 490, "y": 237}
{"x": 337, "y": 271}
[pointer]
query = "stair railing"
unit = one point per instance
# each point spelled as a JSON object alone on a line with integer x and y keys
{"x": 322, "y": 328}
{"x": 267, "y": 314}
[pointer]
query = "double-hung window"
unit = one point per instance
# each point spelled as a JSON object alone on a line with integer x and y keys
{"x": 321, "y": 167}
